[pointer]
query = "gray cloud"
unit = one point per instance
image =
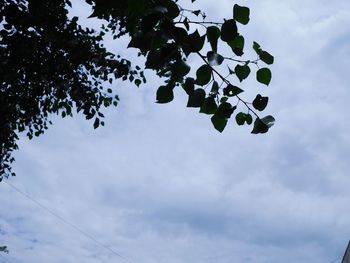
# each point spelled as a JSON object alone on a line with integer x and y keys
{"x": 158, "y": 184}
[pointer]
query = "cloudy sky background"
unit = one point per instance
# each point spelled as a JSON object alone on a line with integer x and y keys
{"x": 159, "y": 184}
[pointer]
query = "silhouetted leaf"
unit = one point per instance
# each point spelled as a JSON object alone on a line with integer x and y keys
{"x": 241, "y": 14}
{"x": 165, "y": 94}
{"x": 188, "y": 86}
{"x": 242, "y": 72}
{"x": 196, "y": 99}
{"x": 237, "y": 45}
{"x": 231, "y": 90}
{"x": 266, "y": 57}
{"x": 219, "y": 123}
{"x": 229, "y": 30}
{"x": 225, "y": 110}
{"x": 214, "y": 89}
{"x": 213, "y": 34}
{"x": 209, "y": 106}
{"x": 203, "y": 75}
{"x": 260, "y": 102}
{"x": 263, "y": 75}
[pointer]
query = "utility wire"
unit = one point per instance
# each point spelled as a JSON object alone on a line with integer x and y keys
{"x": 87, "y": 235}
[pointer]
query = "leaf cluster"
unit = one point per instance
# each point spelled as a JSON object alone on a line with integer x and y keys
{"x": 50, "y": 64}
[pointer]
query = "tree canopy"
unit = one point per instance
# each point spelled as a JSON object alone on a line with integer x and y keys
{"x": 51, "y": 64}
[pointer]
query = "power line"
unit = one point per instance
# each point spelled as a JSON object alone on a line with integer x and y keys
{"x": 87, "y": 235}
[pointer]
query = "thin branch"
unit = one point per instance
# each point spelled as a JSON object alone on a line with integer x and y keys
{"x": 228, "y": 83}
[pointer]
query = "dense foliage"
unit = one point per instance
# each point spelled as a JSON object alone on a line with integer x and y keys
{"x": 51, "y": 64}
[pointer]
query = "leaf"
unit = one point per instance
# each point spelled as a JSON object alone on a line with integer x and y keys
{"x": 209, "y": 106}
{"x": 180, "y": 69}
{"x": 248, "y": 119}
{"x": 192, "y": 43}
{"x": 242, "y": 72}
{"x": 186, "y": 24}
{"x": 213, "y": 34}
{"x": 203, "y": 74}
{"x": 153, "y": 60}
{"x": 264, "y": 76}
{"x": 214, "y": 89}
{"x": 268, "y": 120}
{"x": 241, "y": 14}
{"x": 259, "y": 127}
{"x": 240, "y": 118}
{"x": 237, "y": 45}
{"x": 96, "y": 123}
{"x": 229, "y": 30}
{"x": 231, "y": 90}
{"x": 196, "y": 12}
{"x": 260, "y": 102}
{"x": 150, "y": 21}
{"x": 196, "y": 99}
{"x": 172, "y": 8}
{"x": 219, "y": 123}
{"x": 223, "y": 99}
{"x": 214, "y": 59}
{"x": 266, "y": 57}
{"x": 165, "y": 94}
{"x": 225, "y": 110}
{"x": 188, "y": 86}
{"x": 257, "y": 48}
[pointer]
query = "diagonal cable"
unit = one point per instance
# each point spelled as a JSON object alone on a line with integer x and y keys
{"x": 82, "y": 232}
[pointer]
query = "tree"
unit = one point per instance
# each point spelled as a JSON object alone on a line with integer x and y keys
{"x": 50, "y": 64}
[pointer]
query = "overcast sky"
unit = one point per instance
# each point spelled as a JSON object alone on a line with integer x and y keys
{"x": 159, "y": 185}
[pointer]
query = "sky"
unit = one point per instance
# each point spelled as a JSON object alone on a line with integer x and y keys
{"x": 159, "y": 184}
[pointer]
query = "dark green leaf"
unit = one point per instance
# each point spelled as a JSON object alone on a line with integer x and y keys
{"x": 192, "y": 43}
{"x": 225, "y": 110}
{"x": 188, "y": 86}
{"x": 213, "y": 34}
{"x": 266, "y": 57}
{"x": 209, "y": 106}
{"x": 165, "y": 94}
{"x": 237, "y": 45}
{"x": 214, "y": 89}
{"x": 150, "y": 21}
{"x": 264, "y": 75}
{"x": 240, "y": 118}
{"x": 259, "y": 127}
{"x": 196, "y": 12}
{"x": 196, "y": 99}
{"x": 223, "y": 99}
{"x": 219, "y": 123}
{"x": 248, "y": 119}
{"x": 241, "y": 14}
{"x": 172, "y": 8}
{"x": 242, "y": 72}
{"x": 203, "y": 74}
{"x": 257, "y": 48}
{"x": 260, "y": 102}
{"x": 231, "y": 90}
{"x": 96, "y": 123}
{"x": 229, "y": 30}
{"x": 180, "y": 69}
